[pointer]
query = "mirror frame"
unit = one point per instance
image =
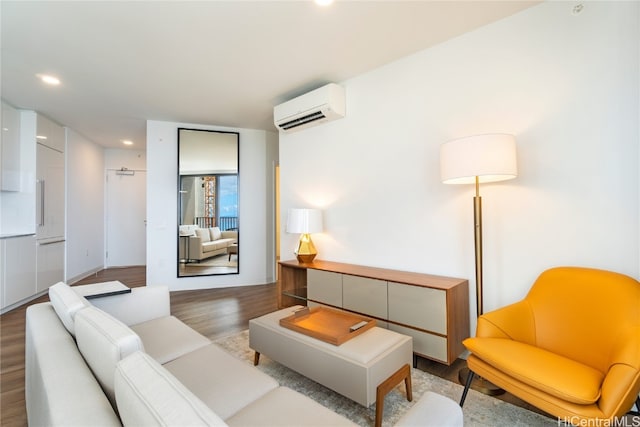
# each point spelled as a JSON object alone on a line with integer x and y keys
{"x": 179, "y": 199}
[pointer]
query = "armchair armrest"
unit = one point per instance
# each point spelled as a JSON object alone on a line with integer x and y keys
{"x": 514, "y": 322}
{"x": 140, "y": 305}
{"x": 621, "y": 384}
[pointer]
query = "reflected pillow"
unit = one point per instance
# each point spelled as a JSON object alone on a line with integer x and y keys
{"x": 215, "y": 233}
{"x": 203, "y": 233}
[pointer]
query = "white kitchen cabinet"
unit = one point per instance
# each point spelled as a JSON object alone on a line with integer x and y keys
{"x": 50, "y": 260}
{"x": 50, "y": 200}
{"x": 18, "y": 256}
{"x": 50, "y": 203}
{"x": 10, "y": 173}
{"x": 50, "y": 133}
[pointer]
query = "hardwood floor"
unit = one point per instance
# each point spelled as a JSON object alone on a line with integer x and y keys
{"x": 213, "y": 312}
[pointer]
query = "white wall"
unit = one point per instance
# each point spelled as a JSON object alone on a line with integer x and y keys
{"x": 85, "y": 207}
{"x": 567, "y": 86}
{"x": 257, "y": 152}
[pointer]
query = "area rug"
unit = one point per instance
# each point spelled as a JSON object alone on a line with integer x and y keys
{"x": 479, "y": 410}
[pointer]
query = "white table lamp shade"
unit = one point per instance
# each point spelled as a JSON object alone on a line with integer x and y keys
{"x": 490, "y": 157}
{"x": 304, "y": 221}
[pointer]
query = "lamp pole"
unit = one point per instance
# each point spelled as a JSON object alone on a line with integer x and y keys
{"x": 477, "y": 234}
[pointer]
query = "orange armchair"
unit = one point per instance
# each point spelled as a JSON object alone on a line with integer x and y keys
{"x": 571, "y": 347}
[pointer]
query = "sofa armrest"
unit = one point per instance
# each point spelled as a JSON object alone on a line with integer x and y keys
{"x": 142, "y": 304}
{"x": 195, "y": 247}
{"x": 513, "y": 321}
{"x": 230, "y": 235}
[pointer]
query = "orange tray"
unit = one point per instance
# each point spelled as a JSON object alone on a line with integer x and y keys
{"x": 327, "y": 324}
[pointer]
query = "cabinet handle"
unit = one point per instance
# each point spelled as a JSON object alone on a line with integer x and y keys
{"x": 51, "y": 243}
{"x": 41, "y": 206}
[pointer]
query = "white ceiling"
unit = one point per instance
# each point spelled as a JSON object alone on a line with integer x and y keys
{"x": 225, "y": 63}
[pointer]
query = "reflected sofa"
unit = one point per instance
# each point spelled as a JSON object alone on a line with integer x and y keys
{"x": 208, "y": 242}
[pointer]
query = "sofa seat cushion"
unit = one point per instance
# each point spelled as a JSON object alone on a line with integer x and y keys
{"x": 554, "y": 374}
{"x": 103, "y": 341}
{"x": 215, "y": 245}
{"x": 148, "y": 395}
{"x": 66, "y": 303}
{"x": 432, "y": 410}
{"x": 221, "y": 381}
{"x": 284, "y": 407}
{"x": 167, "y": 338}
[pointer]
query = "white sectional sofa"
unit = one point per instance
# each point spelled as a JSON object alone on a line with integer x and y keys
{"x": 208, "y": 242}
{"x": 124, "y": 360}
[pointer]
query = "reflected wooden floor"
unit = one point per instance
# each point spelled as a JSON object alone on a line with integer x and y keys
{"x": 212, "y": 312}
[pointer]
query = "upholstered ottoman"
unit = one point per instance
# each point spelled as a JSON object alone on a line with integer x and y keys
{"x": 354, "y": 369}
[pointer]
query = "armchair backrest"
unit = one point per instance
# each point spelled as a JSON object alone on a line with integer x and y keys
{"x": 584, "y": 314}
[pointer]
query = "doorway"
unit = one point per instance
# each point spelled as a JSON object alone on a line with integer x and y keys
{"x": 126, "y": 241}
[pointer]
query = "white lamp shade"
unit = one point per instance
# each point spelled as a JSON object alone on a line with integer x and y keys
{"x": 490, "y": 157}
{"x": 304, "y": 221}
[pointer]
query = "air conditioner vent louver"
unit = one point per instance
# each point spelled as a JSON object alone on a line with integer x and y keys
{"x": 303, "y": 120}
{"x": 321, "y": 105}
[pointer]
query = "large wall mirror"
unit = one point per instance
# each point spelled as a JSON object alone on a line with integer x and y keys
{"x": 208, "y": 226}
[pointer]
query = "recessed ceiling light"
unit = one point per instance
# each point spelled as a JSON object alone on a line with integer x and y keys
{"x": 323, "y": 2}
{"x": 48, "y": 79}
{"x": 127, "y": 142}
{"x": 41, "y": 137}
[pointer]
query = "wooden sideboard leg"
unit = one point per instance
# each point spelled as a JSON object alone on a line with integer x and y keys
{"x": 387, "y": 385}
{"x": 256, "y": 358}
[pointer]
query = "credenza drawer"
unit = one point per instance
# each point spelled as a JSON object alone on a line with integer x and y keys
{"x": 424, "y": 308}
{"x": 364, "y": 295}
{"x": 324, "y": 287}
{"x": 432, "y": 346}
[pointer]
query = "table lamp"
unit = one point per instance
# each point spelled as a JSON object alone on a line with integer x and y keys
{"x": 305, "y": 222}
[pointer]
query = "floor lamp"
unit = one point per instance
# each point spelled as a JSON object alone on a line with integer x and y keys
{"x": 474, "y": 160}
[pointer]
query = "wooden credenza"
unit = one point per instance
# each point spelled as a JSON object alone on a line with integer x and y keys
{"x": 434, "y": 310}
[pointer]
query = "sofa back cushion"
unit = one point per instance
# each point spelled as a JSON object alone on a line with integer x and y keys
{"x": 66, "y": 303}
{"x": 203, "y": 233}
{"x": 215, "y": 233}
{"x": 147, "y": 395}
{"x": 103, "y": 341}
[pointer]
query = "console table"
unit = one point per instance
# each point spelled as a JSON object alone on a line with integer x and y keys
{"x": 434, "y": 310}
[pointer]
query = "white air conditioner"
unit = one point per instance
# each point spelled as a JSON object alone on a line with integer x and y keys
{"x": 321, "y": 105}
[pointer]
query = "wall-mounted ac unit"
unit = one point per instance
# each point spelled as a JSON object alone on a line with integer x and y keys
{"x": 321, "y": 105}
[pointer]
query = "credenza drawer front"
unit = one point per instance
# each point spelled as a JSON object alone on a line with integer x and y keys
{"x": 364, "y": 295}
{"x": 324, "y": 286}
{"x": 424, "y": 308}
{"x": 426, "y": 344}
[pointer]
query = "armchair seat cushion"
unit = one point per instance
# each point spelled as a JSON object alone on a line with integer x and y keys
{"x": 554, "y": 374}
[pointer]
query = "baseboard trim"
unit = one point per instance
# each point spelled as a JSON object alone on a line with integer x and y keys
{"x": 75, "y": 279}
